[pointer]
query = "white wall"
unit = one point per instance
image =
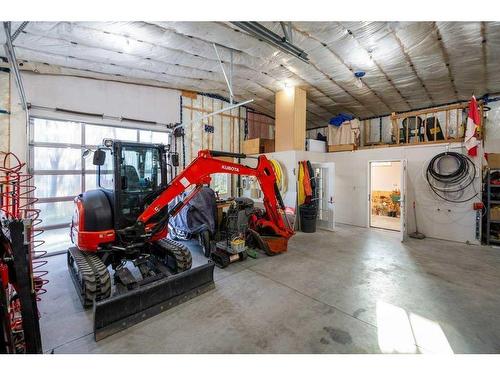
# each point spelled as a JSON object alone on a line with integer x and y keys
{"x": 436, "y": 218}
{"x": 103, "y": 97}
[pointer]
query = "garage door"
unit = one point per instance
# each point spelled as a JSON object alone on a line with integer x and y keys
{"x": 61, "y": 173}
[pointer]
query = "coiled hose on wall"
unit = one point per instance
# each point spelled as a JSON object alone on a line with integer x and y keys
{"x": 451, "y": 185}
{"x": 278, "y": 171}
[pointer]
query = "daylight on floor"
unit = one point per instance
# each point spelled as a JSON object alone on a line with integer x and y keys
{"x": 206, "y": 185}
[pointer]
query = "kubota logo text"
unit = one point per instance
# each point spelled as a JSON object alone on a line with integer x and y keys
{"x": 229, "y": 168}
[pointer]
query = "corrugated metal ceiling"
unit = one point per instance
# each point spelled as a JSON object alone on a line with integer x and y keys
{"x": 408, "y": 65}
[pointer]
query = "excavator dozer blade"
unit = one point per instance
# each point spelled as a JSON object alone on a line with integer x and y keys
{"x": 124, "y": 310}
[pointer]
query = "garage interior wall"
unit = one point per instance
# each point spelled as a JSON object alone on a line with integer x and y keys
{"x": 436, "y": 218}
{"x": 222, "y": 132}
{"x": 4, "y": 109}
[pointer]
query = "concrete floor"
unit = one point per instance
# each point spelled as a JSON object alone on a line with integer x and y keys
{"x": 385, "y": 222}
{"x": 355, "y": 290}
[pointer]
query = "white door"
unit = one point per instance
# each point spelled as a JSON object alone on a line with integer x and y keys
{"x": 403, "y": 204}
{"x": 324, "y": 174}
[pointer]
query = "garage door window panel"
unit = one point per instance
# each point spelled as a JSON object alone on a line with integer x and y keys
{"x": 50, "y": 131}
{"x": 51, "y": 186}
{"x": 47, "y": 158}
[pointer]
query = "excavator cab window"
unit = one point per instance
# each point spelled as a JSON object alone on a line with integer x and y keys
{"x": 140, "y": 169}
{"x": 106, "y": 169}
{"x": 140, "y": 174}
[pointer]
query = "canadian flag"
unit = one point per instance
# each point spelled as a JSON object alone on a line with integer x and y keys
{"x": 473, "y": 124}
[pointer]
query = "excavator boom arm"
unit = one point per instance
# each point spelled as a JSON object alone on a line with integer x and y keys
{"x": 199, "y": 172}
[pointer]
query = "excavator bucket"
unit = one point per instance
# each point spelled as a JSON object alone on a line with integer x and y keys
{"x": 276, "y": 244}
{"x": 126, "y": 309}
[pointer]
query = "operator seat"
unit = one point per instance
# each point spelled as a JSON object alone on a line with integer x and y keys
{"x": 132, "y": 177}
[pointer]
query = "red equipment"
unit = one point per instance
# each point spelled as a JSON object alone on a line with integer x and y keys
{"x": 197, "y": 173}
{"x": 22, "y": 279}
{"x": 125, "y": 220}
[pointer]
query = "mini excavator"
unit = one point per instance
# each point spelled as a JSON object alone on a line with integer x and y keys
{"x": 125, "y": 221}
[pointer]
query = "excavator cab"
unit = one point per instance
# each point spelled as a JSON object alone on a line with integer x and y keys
{"x": 130, "y": 175}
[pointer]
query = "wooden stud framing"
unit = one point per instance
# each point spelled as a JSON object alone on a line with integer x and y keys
{"x": 208, "y": 140}
{"x": 446, "y": 123}
{"x": 407, "y": 131}
{"x": 425, "y": 127}
{"x": 434, "y": 129}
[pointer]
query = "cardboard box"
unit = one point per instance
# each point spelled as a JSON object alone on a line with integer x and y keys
{"x": 493, "y": 160}
{"x": 338, "y": 148}
{"x": 495, "y": 213}
{"x": 258, "y": 146}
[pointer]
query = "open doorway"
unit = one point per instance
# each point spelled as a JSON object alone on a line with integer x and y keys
{"x": 385, "y": 195}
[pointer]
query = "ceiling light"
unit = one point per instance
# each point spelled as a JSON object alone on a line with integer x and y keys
{"x": 370, "y": 58}
{"x": 288, "y": 89}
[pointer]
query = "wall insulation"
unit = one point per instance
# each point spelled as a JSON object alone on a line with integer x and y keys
{"x": 223, "y": 131}
{"x": 4, "y": 109}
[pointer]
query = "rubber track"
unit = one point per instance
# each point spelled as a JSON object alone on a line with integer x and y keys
{"x": 181, "y": 253}
{"x": 93, "y": 275}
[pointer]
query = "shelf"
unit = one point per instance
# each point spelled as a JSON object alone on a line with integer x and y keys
{"x": 494, "y": 221}
{"x": 494, "y": 202}
{"x": 494, "y": 241}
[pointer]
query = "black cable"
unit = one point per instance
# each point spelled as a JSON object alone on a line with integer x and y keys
{"x": 455, "y": 181}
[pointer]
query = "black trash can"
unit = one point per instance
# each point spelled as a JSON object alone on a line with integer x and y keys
{"x": 308, "y": 215}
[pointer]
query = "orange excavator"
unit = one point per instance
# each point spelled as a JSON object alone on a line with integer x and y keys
{"x": 125, "y": 222}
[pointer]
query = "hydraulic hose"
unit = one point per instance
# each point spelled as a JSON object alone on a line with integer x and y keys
{"x": 450, "y": 186}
